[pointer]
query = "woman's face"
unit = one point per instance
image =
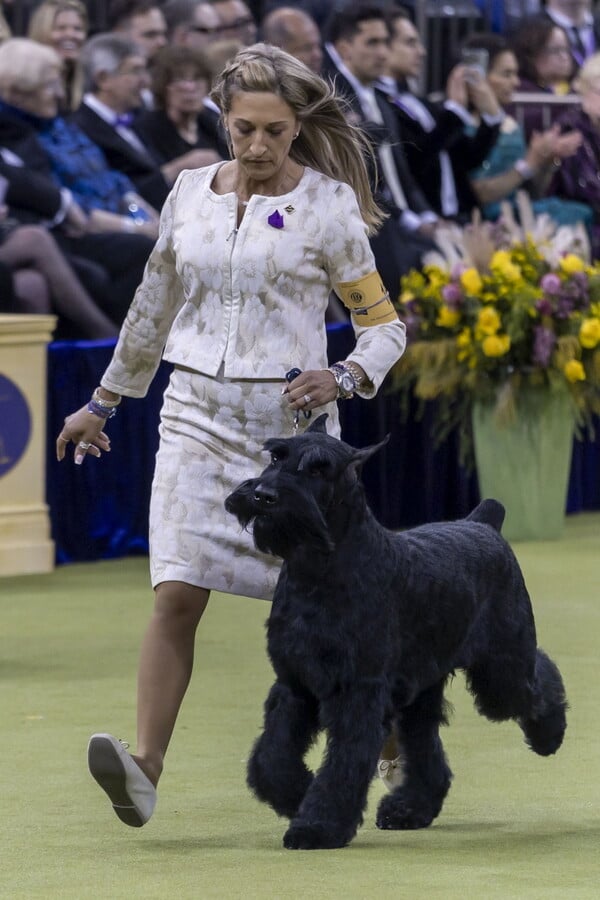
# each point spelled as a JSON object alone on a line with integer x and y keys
{"x": 589, "y": 91}
{"x": 503, "y": 76}
{"x": 68, "y": 34}
{"x": 261, "y": 126}
{"x": 185, "y": 92}
{"x": 44, "y": 100}
{"x": 555, "y": 63}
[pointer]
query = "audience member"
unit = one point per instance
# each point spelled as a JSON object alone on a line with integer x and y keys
{"x": 318, "y": 10}
{"x": 296, "y": 32}
{"x": 99, "y": 201}
{"x": 513, "y": 164}
{"x": 180, "y": 82}
{"x": 439, "y": 150}
{"x": 4, "y": 36}
{"x": 191, "y": 23}
{"x": 579, "y": 176}
{"x": 218, "y": 54}
{"x": 140, "y": 21}
{"x": 63, "y": 25}
{"x": 356, "y": 55}
{"x": 236, "y": 22}
{"x": 116, "y": 73}
{"x": 576, "y": 18}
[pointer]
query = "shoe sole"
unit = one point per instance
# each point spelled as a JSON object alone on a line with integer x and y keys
{"x": 108, "y": 771}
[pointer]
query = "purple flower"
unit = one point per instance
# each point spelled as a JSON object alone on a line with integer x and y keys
{"x": 543, "y": 345}
{"x": 452, "y": 295}
{"x": 544, "y": 307}
{"x": 275, "y": 219}
{"x": 551, "y": 283}
{"x": 565, "y": 307}
{"x": 457, "y": 269}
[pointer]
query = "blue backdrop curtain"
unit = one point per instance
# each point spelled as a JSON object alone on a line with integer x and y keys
{"x": 100, "y": 509}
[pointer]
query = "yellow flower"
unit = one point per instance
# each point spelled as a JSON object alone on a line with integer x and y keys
{"x": 589, "y": 333}
{"x": 488, "y": 320}
{"x": 574, "y": 371}
{"x": 471, "y": 281}
{"x": 502, "y": 264}
{"x": 496, "y": 345}
{"x": 406, "y": 296}
{"x": 447, "y": 317}
{"x": 572, "y": 263}
{"x": 464, "y": 345}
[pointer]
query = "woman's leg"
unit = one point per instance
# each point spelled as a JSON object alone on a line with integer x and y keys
{"x": 166, "y": 662}
{"x": 33, "y": 247}
{"x": 31, "y": 292}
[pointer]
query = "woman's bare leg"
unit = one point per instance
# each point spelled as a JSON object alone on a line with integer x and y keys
{"x": 31, "y": 292}
{"x": 165, "y": 669}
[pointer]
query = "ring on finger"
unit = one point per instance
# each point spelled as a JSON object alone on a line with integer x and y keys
{"x": 307, "y": 398}
{"x": 84, "y": 445}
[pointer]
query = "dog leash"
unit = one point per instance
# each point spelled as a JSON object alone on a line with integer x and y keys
{"x": 307, "y": 413}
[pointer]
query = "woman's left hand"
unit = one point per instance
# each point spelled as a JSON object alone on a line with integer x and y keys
{"x": 311, "y": 389}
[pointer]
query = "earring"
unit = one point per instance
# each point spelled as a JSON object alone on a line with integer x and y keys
{"x": 296, "y": 135}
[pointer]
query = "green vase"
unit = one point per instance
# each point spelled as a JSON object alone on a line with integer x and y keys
{"x": 526, "y": 465}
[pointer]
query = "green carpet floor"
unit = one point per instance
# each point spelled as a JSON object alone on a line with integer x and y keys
{"x": 514, "y": 825}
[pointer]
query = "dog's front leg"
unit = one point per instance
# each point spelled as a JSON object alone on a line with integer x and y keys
{"x": 332, "y": 810}
{"x": 276, "y": 770}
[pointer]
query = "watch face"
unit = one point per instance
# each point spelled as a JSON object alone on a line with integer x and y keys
{"x": 347, "y": 383}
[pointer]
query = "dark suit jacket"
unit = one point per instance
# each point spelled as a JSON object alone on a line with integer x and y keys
{"x": 142, "y": 168}
{"x": 422, "y": 149}
{"x": 159, "y": 134}
{"x": 379, "y": 133}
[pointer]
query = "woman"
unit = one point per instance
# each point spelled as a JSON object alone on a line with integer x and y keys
{"x": 180, "y": 81}
{"x": 63, "y": 25}
{"x": 545, "y": 65}
{"x": 579, "y": 176}
{"x": 115, "y": 228}
{"x": 513, "y": 164}
{"x": 236, "y": 288}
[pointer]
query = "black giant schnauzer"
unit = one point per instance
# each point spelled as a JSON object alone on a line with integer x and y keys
{"x": 365, "y": 629}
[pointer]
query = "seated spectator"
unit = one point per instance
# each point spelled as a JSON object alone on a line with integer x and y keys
{"x": 545, "y": 66}
{"x": 514, "y": 164}
{"x": 116, "y": 73}
{"x": 41, "y": 149}
{"x": 439, "y": 150}
{"x": 236, "y": 22}
{"x": 180, "y": 82}
{"x": 139, "y": 21}
{"x": 63, "y": 25}
{"x": 191, "y": 23}
{"x": 43, "y": 281}
{"x": 295, "y": 32}
{"x": 4, "y": 36}
{"x": 577, "y": 19}
{"x": 578, "y": 178}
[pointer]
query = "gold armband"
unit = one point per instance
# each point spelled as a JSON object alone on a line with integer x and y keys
{"x": 367, "y": 300}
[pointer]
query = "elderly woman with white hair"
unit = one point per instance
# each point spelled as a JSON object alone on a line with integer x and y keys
{"x": 579, "y": 176}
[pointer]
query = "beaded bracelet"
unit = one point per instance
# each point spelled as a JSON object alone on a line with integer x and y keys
{"x": 101, "y": 411}
{"x": 101, "y": 401}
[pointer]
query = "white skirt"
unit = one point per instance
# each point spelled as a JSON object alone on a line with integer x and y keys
{"x": 212, "y": 432}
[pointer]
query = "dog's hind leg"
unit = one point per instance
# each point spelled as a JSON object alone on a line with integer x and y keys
{"x": 332, "y": 810}
{"x": 419, "y": 799}
{"x": 277, "y": 774}
{"x": 545, "y": 723}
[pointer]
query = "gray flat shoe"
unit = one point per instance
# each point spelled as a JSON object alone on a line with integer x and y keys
{"x": 130, "y": 791}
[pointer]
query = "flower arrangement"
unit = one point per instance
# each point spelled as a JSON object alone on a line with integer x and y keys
{"x": 500, "y": 307}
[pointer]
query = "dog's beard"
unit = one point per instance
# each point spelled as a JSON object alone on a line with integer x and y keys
{"x": 282, "y": 536}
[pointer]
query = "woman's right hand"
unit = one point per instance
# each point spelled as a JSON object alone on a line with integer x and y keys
{"x": 84, "y": 430}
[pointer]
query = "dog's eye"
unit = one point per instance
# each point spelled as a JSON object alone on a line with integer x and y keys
{"x": 278, "y": 455}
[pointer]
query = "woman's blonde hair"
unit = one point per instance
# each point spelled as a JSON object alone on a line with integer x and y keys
{"x": 327, "y": 142}
{"x": 24, "y": 65}
{"x": 590, "y": 71}
{"x": 40, "y": 30}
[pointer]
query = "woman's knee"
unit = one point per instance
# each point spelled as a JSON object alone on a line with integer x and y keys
{"x": 179, "y": 604}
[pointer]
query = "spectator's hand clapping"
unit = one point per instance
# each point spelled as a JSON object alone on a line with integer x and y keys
{"x": 481, "y": 94}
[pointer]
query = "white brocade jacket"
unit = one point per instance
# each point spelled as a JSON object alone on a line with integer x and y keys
{"x": 252, "y": 299}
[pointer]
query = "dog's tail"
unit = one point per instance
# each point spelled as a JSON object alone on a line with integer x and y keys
{"x": 489, "y": 512}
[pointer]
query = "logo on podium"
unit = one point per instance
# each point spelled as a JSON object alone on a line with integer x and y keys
{"x": 15, "y": 425}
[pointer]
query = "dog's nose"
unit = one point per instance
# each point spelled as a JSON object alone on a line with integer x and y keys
{"x": 264, "y": 496}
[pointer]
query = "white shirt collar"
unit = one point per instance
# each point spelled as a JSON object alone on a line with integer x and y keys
{"x": 105, "y": 112}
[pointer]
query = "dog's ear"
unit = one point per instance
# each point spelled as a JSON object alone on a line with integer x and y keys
{"x": 360, "y": 456}
{"x": 319, "y": 424}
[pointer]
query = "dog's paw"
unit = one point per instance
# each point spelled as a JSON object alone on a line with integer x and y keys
{"x": 397, "y": 813}
{"x": 317, "y": 836}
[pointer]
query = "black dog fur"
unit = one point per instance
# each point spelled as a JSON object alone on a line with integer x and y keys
{"x": 365, "y": 629}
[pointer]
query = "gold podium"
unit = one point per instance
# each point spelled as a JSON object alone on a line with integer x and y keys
{"x": 25, "y": 544}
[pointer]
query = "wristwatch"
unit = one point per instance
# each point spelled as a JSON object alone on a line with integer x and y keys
{"x": 345, "y": 380}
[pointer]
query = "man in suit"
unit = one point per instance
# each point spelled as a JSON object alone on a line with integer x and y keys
{"x": 295, "y": 32}
{"x": 116, "y": 72}
{"x": 440, "y": 153}
{"x": 140, "y": 21}
{"x": 191, "y": 23}
{"x": 356, "y": 56}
